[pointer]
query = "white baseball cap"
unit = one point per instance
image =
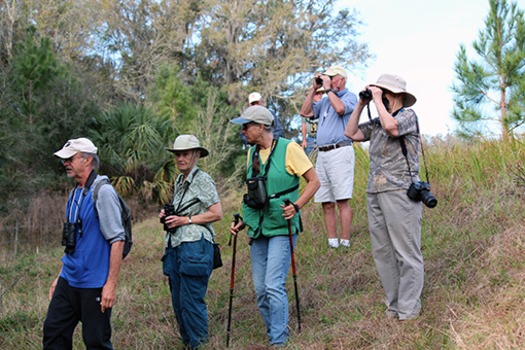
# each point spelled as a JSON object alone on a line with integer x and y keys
{"x": 75, "y": 146}
{"x": 254, "y": 97}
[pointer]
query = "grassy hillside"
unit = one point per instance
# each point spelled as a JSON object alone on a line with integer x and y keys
{"x": 473, "y": 244}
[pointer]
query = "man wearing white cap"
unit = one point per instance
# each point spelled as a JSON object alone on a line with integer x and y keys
{"x": 335, "y": 160}
{"x": 394, "y": 219}
{"x": 255, "y": 99}
{"x": 85, "y": 288}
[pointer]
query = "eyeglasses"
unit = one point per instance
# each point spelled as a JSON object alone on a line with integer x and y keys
{"x": 71, "y": 159}
{"x": 247, "y": 125}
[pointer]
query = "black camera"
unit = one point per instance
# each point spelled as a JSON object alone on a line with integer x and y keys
{"x": 319, "y": 80}
{"x": 169, "y": 210}
{"x": 365, "y": 94}
{"x": 420, "y": 191}
{"x": 69, "y": 236}
{"x": 257, "y": 197}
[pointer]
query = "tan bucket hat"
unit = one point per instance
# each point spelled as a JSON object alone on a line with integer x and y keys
{"x": 397, "y": 85}
{"x": 186, "y": 143}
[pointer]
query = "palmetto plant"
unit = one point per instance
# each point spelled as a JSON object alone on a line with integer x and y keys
{"x": 132, "y": 141}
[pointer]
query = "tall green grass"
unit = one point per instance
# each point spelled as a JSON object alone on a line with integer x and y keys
{"x": 474, "y": 291}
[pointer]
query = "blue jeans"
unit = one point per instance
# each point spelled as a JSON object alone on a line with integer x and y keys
{"x": 270, "y": 264}
{"x": 189, "y": 266}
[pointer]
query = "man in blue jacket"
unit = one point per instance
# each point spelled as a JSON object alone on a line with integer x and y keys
{"x": 85, "y": 288}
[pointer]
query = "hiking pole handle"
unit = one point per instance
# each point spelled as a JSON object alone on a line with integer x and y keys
{"x": 236, "y": 217}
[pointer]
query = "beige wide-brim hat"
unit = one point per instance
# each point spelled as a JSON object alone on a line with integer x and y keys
{"x": 397, "y": 85}
{"x": 186, "y": 143}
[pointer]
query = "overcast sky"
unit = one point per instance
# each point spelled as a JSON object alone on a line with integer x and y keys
{"x": 418, "y": 40}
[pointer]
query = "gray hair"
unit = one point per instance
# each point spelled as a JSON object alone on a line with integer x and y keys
{"x": 96, "y": 160}
{"x": 268, "y": 128}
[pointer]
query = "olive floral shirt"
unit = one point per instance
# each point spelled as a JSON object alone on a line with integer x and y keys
{"x": 388, "y": 165}
{"x": 192, "y": 197}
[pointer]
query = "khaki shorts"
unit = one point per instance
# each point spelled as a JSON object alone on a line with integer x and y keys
{"x": 335, "y": 170}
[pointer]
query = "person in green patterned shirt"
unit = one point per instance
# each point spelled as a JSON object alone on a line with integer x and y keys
{"x": 188, "y": 258}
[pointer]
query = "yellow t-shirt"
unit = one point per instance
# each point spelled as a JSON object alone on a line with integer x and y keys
{"x": 297, "y": 162}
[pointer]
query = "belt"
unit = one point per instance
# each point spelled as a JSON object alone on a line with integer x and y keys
{"x": 334, "y": 146}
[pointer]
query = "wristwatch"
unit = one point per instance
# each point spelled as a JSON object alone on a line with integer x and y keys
{"x": 329, "y": 90}
{"x": 189, "y": 220}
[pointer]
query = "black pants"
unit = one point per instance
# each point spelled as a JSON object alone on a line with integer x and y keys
{"x": 70, "y": 305}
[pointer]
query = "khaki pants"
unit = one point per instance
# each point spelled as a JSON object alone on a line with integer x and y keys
{"x": 395, "y": 229}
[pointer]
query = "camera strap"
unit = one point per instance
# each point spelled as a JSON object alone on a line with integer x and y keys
{"x": 184, "y": 193}
{"x": 73, "y": 215}
{"x": 255, "y": 157}
{"x": 402, "y": 142}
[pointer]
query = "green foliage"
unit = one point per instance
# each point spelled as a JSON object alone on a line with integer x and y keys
{"x": 273, "y": 47}
{"x": 35, "y": 67}
{"x": 43, "y": 104}
{"x": 203, "y": 110}
{"x": 131, "y": 141}
{"x": 172, "y": 99}
{"x": 497, "y": 78}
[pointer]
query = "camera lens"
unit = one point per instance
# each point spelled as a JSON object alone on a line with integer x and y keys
{"x": 428, "y": 199}
{"x": 319, "y": 81}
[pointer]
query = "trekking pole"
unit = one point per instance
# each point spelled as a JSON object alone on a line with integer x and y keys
{"x": 294, "y": 272}
{"x": 232, "y": 279}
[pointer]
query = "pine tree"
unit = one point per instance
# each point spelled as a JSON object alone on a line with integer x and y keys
{"x": 497, "y": 78}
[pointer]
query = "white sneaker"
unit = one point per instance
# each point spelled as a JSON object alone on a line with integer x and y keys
{"x": 345, "y": 243}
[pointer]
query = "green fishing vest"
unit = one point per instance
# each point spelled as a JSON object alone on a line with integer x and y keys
{"x": 269, "y": 221}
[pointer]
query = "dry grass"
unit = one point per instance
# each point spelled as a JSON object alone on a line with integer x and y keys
{"x": 474, "y": 285}
{"x": 499, "y": 284}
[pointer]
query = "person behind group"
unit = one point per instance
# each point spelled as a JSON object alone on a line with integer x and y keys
{"x": 255, "y": 99}
{"x": 335, "y": 160}
{"x": 85, "y": 288}
{"x": 282, "y": 162}
{"x": 394, "y": 219}
{"x": 309, "y": 127}
{"x": 188, "y": 257}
